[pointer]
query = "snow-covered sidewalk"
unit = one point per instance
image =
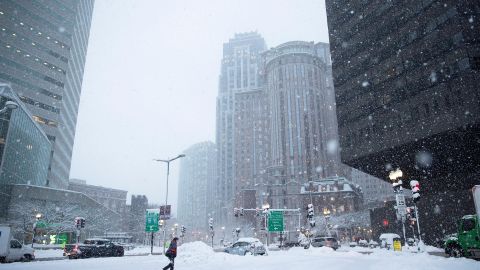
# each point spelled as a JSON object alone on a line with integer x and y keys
{"x": 199, "y": 256}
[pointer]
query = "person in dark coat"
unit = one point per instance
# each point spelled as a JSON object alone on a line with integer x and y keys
{"x": 171, "y": 253}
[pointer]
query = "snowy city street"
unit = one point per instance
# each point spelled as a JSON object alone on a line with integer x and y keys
{"x": 199, "y": 256}
{"x": 239, "y": 135}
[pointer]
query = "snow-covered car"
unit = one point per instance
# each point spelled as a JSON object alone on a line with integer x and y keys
{"x": 373, "y": 244}
{"x": 325, "y": 241}
{"x": 363, "y": 243}
{"x": 353, "y": 244}
{"x": 246, "y": 246}
{"x": 386, "y": 240}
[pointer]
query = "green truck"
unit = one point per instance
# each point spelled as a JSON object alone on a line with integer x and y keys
{"x": 467, "y": 240}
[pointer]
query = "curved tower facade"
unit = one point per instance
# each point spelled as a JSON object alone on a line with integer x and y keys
{"x": 304, "y": 135}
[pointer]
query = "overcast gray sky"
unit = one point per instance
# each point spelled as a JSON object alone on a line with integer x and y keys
{"x": 151, "y": 79}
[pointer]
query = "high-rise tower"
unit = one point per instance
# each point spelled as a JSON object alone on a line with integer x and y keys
{"x": 239, "y": 75}
{"x": 303, "y": 121}
{"x": 43, "y": 46}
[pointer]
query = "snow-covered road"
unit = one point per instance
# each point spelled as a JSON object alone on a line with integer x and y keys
{"x": 198, "y": 256}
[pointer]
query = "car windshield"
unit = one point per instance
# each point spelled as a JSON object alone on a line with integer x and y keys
{"x": 136, "y": 127}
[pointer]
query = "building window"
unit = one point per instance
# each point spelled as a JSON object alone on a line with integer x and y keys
{"x": 475, "y": 63}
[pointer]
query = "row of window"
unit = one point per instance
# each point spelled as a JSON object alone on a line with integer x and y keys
{"x": 40, "y": 104}
{"x": 32, "y": 57}
{"x": 29, "y": 55}
{"x": 33, "y": 44}
{"x": 45, "y": 23}
{"x": 27, "y": 85}
{"x": 424, "y": 110}
{"x": 29, "y": 71}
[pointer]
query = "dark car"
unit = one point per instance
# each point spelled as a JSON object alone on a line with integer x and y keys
{"x": 325, "y": 241}
{"x": 93, "y": 248}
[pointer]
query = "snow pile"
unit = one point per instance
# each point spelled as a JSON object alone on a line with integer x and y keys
{"x": 195, "y": 253}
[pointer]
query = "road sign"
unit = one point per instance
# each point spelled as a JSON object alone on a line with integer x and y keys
{"x": 165, "y": 212}
{"x": 275, "y": 221}
{"x": 151, "y": 222}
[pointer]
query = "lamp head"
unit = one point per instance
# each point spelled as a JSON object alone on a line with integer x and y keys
{"x": 12, "y": 105}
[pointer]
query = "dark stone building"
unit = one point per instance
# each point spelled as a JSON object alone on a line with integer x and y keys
{"x": 406, "y": 78}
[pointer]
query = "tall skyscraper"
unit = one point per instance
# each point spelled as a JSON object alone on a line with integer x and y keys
{"x": 406, "y": 82}
{"x": 196, "y": 185}
{"x": 43, "y": 46}
{"x": 239, "y": 75}
{"x": 302, "y": 110}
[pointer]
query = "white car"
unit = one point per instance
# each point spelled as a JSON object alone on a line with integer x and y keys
{"x": 18, "y": 252}
{"x": 246, "y": 246}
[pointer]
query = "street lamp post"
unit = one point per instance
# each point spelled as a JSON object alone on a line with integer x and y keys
{"x": 166, "y": 192}
{"x": 326, "y": 214}
{"x": 37, "y": 217}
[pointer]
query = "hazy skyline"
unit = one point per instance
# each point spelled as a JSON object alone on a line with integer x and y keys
{"x": 151, "y": 81}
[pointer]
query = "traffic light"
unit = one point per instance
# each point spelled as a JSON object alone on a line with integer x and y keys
{"x": 242, "y": 212}
{"x": 385, "y": 223}
{"x": 183, "y": 229}
{"x": 310, "y": 215}
{"x": 82, "y": 223}
{"x": 310, "y": 211}
{"x": 210, "y": 223}
{"x": 415, "y": 186}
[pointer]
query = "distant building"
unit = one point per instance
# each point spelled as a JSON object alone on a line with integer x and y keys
{"x": 303, "y": 134}
{"x": 57, "y": 209}
{"x": 406, "y": 79}
{"x": 337, "y": 194}
{"x": 375, "y": 191}
{"x": 251, "y": 146}
{"x": 239, "y": 73}
{"x": 135, "y": 217}
{"x": 113, "y": 199}
{"x": 43, "y": 46}
{"x": 195, "y": 186}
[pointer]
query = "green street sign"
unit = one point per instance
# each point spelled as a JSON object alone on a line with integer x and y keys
{"x": 275, "y": 221}
{"x": 151, "y": 222}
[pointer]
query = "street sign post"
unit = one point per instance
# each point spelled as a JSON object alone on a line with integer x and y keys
{"x": 151, "y": 224}
{"x": 165, "y": 211}
{"x": 275, "y": 221}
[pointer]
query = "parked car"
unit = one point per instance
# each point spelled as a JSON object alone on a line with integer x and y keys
{"x": 352, "y": 244}
{"x": 246, "y": 246}
{"x": 363, "y": 243}
{"x": 11, "y": 249}
{"x": 386, "y": 240}
{"x": 373, "y": 244}
{"x": 325, "y": 241}
{"x": 93, "y": 248}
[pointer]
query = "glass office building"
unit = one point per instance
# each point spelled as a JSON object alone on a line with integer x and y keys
{"x": 43, "y": 46}
{"x": 24, "y": 147}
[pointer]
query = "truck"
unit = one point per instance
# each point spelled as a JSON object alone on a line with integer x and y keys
{"x": 11, "y": 249}
{"x": 94, "y": 247}
{"x": 466, "y": 242}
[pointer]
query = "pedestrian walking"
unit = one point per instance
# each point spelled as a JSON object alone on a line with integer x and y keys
{"x": 171, "y": 254}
